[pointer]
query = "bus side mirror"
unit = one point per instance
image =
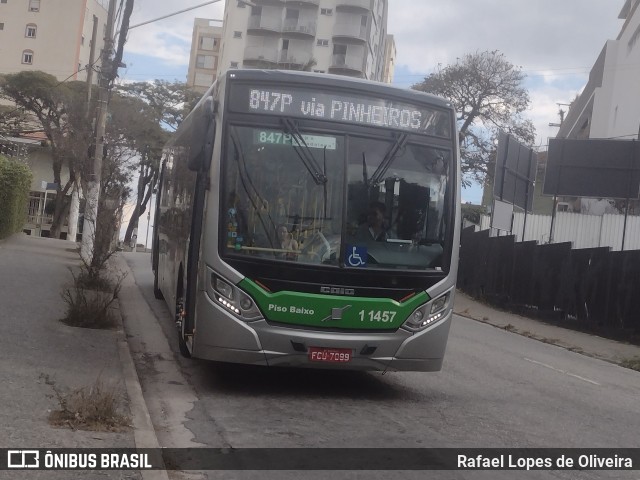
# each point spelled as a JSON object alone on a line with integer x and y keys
{"x": 203, "y": 136}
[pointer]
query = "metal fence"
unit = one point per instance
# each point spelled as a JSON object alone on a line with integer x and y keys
{"x": 593, "y": 289}
{"x": 583, "y": 231}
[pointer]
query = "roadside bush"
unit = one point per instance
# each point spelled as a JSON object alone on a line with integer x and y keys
{"x": 90, "y": 301}
{"x": 15, "y": 183}
{"x": 95, "y": 408}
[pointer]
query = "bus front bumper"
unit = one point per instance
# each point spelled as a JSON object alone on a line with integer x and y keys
{"x": 221, "y": 337}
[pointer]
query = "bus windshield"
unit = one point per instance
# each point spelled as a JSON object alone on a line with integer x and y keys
{"x": 334, "y": 199}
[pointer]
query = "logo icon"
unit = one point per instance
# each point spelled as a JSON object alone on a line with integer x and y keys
{"x": 356, "y": 256}
{"x": 23, "y": 459}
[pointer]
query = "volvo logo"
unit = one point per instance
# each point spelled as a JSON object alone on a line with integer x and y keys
{"x": 338, "y": 291}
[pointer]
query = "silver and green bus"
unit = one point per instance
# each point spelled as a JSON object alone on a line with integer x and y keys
{"x": 311, "y": 220}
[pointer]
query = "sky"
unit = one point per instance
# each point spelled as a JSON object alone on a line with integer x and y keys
{"x": 554, "y": 42}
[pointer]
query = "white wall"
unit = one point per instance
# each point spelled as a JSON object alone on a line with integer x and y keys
{"x": 584, "y": 231}
{"x": 617, "y": 104}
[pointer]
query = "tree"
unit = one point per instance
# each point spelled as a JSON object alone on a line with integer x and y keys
{"x": 487, "y": 93}
{"x": 165, "y": 104}
{"x": 50, "y": 107}
{"x": 170, "y": 102}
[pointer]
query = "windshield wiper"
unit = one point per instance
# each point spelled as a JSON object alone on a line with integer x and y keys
{"x": 247, "y": 185}
{"x": 388, "y": 159}
{"x": 304, "y": 152}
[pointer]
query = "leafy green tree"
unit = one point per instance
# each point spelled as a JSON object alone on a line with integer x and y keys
{"x": 48, "y": 105}
{"x": 488, "y": 94}
{"x": 164, "y": 105}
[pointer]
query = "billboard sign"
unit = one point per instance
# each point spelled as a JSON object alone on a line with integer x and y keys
{"x": 515, "y": 172}
{"x": 593, "y": 168}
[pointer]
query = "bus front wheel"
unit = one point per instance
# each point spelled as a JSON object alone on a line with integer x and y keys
{"x": 182, "y": 345}
{"x": 156, "y": 288}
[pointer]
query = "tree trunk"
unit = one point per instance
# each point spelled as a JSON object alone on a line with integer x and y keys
{"x": 146, "y": 183}
{"x": 133, "y": 223}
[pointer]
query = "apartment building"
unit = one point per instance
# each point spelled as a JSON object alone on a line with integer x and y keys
{"x": 609, "y": 105}
{"x": 53, "y": 36}
{"x": 344, "y": 37}
{"x": 205, "y": 54}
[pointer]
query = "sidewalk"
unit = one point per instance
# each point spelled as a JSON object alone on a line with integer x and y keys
{"x": 39, "y": 353}
{"x": 584, "y": 343}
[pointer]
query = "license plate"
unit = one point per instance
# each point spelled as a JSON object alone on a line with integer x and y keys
{"x": 330, "y": 355}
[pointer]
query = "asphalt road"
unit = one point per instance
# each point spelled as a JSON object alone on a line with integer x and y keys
{"x": 496, "y": 389}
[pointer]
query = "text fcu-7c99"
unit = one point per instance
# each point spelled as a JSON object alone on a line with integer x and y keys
{"x": 310, "y": 220}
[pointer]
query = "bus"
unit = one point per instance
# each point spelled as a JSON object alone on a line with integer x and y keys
{"x": 310, "y": 220}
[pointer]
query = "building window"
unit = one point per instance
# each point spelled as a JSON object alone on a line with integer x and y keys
{"x": 234, "y": 65}
{"x": 1, "y": 26}
{"x": 205, "y": 61}
{"x": 237, "y": 34}
{"x": 203, "y": 79}
{"x": 326, "y": 11}
{"x": 30, "y": 32}
{"x": 319, "y": 71}
{"x": 82, "y": 40}
{"x": 3, "y": 1}
{"x": 34, "y": 5}
{"x": 241, "y": 4}
{"x": 27, "y": 57}
{"x": 322, "y": 43}
{"x": 208, "y": 43}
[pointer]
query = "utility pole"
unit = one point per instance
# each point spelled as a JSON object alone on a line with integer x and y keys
{"x": 93, "y": 184}
{"x": 74, "y": 209}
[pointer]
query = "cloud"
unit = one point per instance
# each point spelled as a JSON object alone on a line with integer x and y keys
{"x": 541, "y": 35}
{"x": 167, "y": 40}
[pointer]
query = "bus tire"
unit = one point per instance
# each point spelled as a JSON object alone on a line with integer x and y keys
{"x": 156, "y": 289}
{"x": 184, "y": 350}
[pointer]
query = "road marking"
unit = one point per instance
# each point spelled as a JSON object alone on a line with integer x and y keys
{"x": 562, "y": 371}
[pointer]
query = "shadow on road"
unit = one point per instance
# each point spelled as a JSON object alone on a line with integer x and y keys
{"x": 224, "y": 378}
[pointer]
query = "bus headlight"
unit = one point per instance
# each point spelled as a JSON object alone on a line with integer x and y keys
{"x": 429, "y": 313}
{"x": 233, "y": 299}
{"x": 223, "y": 288}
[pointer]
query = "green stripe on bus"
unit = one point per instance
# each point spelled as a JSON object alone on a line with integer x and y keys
{"x": 332, "y": 311}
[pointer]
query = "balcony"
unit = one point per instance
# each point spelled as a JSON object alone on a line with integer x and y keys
{"x": 263, "y": 23}
{"x": 350, "y": 30}
{"x": 354, "y": 4}
{"x": 301, "y": 27}
{"x": 349, "y": 64}
{"x": 260, "y": 55}
{"x": 294, "y": 58}
{"x": 300, "y": 2}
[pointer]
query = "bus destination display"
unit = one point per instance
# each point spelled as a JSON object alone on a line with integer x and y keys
{"x": 361, "y": 110}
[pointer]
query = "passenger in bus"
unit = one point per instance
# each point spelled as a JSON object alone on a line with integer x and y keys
{"x": 375, "y": 228}
{"x": 287, "y": 242}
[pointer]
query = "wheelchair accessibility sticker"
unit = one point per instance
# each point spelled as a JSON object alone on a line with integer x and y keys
{"x": 356, "y": 256}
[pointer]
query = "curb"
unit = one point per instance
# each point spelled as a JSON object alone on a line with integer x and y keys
{"x": 143, "y": 431}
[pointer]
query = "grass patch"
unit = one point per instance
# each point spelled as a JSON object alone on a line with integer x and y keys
{"x": 632, "y": 363}
{"x": 94, "y": 408}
